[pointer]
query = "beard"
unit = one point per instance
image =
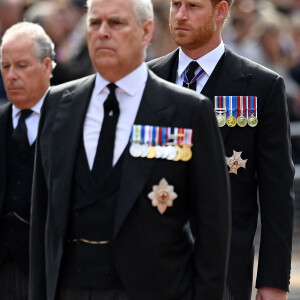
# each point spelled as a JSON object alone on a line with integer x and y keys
{"x": 196, "y": 37}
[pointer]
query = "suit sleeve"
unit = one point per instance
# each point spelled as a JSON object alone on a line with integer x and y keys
{"x": 209, "y": 186}
{"x": 37, "y": 277}
{"x": 275, "y": 173}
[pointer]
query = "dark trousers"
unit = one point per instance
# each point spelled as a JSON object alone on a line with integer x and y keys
{"x": 66, "y": 293}
{"x": 13, "y": 282}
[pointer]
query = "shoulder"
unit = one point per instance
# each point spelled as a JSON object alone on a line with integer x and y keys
{"x": 234, "y": 61}
{"x": 160, "y": 62}
{"x": 71, "y": 85}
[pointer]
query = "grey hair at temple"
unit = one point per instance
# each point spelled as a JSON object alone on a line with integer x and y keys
{"x": 43, "y": 45}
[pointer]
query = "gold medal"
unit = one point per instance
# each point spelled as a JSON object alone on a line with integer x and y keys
{"x": 186, "y": 153}
{"x": 231, "y": 121}
{"x": 242, "y": 121}
{"x": 252, "y": 121}
{"x": 152, "y": 152}
{"x": 179, "y": 153}
{"x": 221, "y": 120}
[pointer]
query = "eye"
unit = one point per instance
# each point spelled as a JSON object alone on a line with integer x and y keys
{"x": 94, "y": 24}
{"x": 4, "y": 67}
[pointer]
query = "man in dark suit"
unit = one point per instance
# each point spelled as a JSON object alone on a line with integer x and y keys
{"x": 112, "y": 221}
{"x": 26, "y": 64}
{"x": 258, "y": 153}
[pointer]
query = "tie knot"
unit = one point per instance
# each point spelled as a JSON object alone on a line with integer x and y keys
{"x": 112, "y": 87}
{"x": 193, "y": 65}
{"x": 111, "y": 104}
{"x": 25, "y": 113}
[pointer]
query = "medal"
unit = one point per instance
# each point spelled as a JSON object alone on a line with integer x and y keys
{"x": 220, "y": 110}
{"x": 241, "y": 104}
{"x": 196, "y": 77}
{"x": 231, "y": 121}
{"x": 152, "y": 152}
{"x": 187, "y": 144}
{"x": 252, "y": 111}
{"x": 172, "y": 152}
{"x": 187, "y": 153}
{"x": 151, "y": 148}
{"x": 221, "y": 120}
{"x": 136, "y": 150}
{"x": 235, "y": 162}
{"x": 231, "y": 111}
{"x": 162, "y": 196}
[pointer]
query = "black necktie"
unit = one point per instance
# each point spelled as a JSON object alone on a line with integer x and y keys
{"x": 190, "y": 74}
{"x": 104, "y": 156}
{"x": 19, "y": 135}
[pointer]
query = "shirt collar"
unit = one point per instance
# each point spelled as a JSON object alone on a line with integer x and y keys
{"x": 129, "y": 84}
{"x": 36, "y": 108}
{"x": 207, "y": 62}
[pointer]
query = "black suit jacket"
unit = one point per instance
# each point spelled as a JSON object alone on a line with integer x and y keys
{"x": 154, "y": 254}
{"x": 20, "y": 244}
{"x": 269, "y": 169}
{"x": 5, "y": 117}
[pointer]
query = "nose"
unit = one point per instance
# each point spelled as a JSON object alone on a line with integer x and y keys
{"x": 181, "y": 13}
{"x": 104, "y": 32}
{"x": 10, "y": 74}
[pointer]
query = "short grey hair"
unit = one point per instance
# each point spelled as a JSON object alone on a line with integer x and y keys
{"x": 43, "y": 45}
{"x": 143, "y": 10}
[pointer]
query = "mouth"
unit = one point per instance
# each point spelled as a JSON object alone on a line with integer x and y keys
{"x": 181, "y": 29}
{"x": 13, "y": 89}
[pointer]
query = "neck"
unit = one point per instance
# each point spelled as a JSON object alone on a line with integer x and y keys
{"x": 196, "y": 53}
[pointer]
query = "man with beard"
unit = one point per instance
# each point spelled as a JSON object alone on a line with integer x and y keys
{"x": 250, "y": 106}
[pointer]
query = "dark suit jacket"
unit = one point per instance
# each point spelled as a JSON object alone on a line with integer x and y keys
{"x": 5, "y": 116}
{"x": 154, "y": 254}
{"x": 269, "y": 168}
{"x": 20, "y": 242}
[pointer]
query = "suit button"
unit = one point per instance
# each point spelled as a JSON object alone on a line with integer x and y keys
{"x": 15, "y": 197}
{"x": 78, "y": 270}
{"x": 18, "y": 182}
{"x": 76, "y": 214}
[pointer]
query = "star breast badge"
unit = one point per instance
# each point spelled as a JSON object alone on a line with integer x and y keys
{"x": 162, "y": 196}
{"x": 235, "y": 161}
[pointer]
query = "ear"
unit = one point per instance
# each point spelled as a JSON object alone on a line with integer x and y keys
{"x": 147, "y": 32}
{"x": 221, "y": 10}
{"x": 48, "y": 65}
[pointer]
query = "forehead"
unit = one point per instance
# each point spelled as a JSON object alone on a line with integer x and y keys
{"x": 108, "y": 8}
{"x": 18, "y": 46}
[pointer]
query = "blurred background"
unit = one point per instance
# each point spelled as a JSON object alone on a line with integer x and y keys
{"x": 266, "y": 31}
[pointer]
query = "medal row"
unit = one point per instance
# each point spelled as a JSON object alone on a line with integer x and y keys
{"x": 236, "y": 110}
{"x": 161, "y": 142}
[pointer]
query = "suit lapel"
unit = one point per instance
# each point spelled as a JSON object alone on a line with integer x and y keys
{"x": 136, "y": 171}
{"x": 66, "y": 138}
{"x": 5, "y": 117}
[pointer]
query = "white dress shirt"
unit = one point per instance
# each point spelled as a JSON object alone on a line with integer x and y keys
{"x": 207, "y": 62}
{"x": 32, "y": 122}
{"x": 129, "y": 93}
